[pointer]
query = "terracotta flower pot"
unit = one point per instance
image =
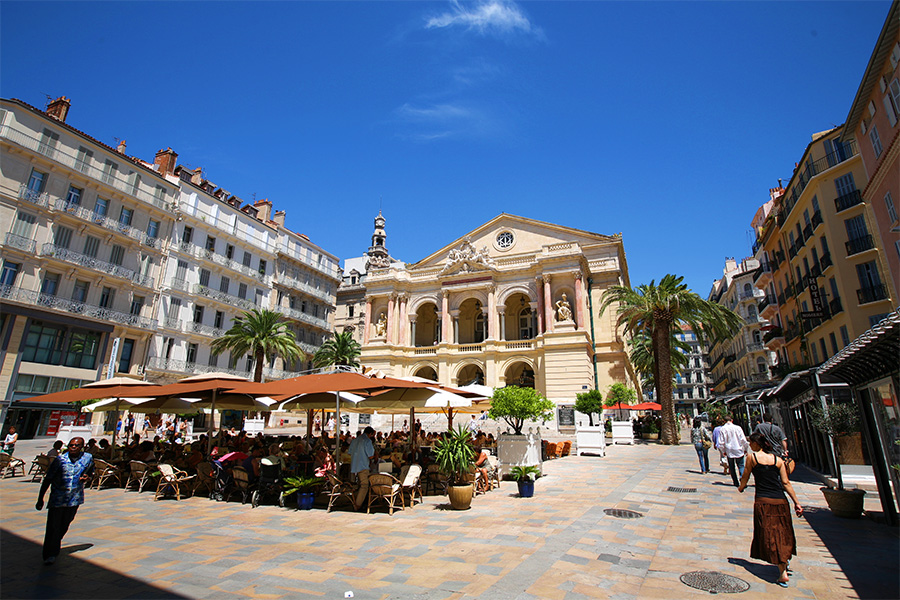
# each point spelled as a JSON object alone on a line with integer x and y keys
{"x": 461, "y": 496}
{"x": 844, "y": 503}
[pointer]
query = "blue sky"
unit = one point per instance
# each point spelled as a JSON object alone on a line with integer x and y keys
{"x": 666, "y": 121}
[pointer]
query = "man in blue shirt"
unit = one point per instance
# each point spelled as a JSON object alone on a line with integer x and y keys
{"x": 362, "y": 449}
{"x": 65, "y": 477}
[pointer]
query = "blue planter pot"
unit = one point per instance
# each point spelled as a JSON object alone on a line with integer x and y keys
{"x": 526, "y": 488}
{"x": 305, "y": 500}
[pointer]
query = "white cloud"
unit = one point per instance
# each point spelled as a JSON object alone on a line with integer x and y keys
{"x": 486, "y": 17}
{"x": 430, "y": 122}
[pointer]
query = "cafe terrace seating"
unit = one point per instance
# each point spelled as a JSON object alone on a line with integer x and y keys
{"x": 104, "y": 473}
{"x": 9, "y": 464}
{"x": 140, "y": 474}
{"x": 171, "y": 480}
{"x": 39, "y": 467}
{"x": 387, "y": 488}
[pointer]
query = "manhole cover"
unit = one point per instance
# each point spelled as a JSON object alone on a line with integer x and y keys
{"x": 715, "y": 582}
{"x": 679, "y": 490}
{"x": 622, "y": 513}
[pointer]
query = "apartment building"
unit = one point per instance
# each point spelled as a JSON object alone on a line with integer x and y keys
{"x": 873, "y": 126}
{"x": 822, "y": 271}
{"x": 115, "y": 266}
{"x": 742, "y": 363}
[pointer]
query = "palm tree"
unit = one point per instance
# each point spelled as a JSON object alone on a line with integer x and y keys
{"x": 342, "y": 349}
{"x": 641, "y": 355}
{"x": 654, "y": 310}
{"x": 260, "y": 333}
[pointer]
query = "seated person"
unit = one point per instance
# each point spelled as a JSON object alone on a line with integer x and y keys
{"x": 481, "y": 466}
{"x": 396, "y": 457}
{"x": 345, "y": 453}
{"x": 92, "y": 447}
{"x": 194, "y": 459}
{"x": 324, "y": 463}
{"x": 144, "y": 453}
{"x": 57, "y": 446}
{"x": 275, "y": 457}
{"x": 251, "y": 464}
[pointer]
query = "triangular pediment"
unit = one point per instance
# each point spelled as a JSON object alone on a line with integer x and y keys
{"x": 501, "y": 237}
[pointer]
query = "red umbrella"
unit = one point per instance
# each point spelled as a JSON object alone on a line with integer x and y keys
{"x": 620, "y": 406}
{"x": 647, "y": 406}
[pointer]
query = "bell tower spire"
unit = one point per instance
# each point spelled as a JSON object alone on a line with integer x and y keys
{"x": 378, "y": 254}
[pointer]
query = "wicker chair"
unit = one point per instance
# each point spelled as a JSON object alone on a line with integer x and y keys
{"x": 9, "y": 464}
{"x": 386, "y": 487}
{"x": 337, "y": 489}
{"x": 104, "y": 472}
{"x": 171, "y": 480}
{"x": 567, "y": 447}
{"x": 242, "y": 484}
{"x": 204, "y": 479}
{"x": 410, "y": 476}
{"x": 436, "y": 480}
{"x": 494, "y": 471}
{"x": 39, "y": 467}
{"x": 139, "y": 474}
{"x": 551, "y": 450}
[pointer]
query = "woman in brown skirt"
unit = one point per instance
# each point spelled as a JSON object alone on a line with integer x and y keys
{"x": 773, "y": 531}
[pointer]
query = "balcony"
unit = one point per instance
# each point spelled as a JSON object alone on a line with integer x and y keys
{"x": 777, "y": 259}
{"x": 860, "y": 244}
{"x": 816, "y": 219}
{"x": 728, "y": 359}
{"x": 87, "y": 310}
{"x": 179, "y": 284}
{"x": 172, "y": 323}
{"x": 288, "y": 281}
{"x": 751, "y": 295}
{"x": 202, "y": 290}
{"x": 802, "y": 177}
{"x": 874, "y": 293}
{"x": 20, "y": 243}
{"x": 158, "y": 363}
{"x": 807, "y": 232}
{"x": 791, "y": 331}
{"x": 202, "y": 329}
{"x": 763, "y": 274}
{"x": 773, "y": 333}
{"x": 88, "y": 262}
{"x": 834, "y": 307}
{"x": 325, "y": 268}
{"x": 202, "y": 253}
{"x": 298, "y": 315}
{"x": 815, "y": 272}
{"x": 755, "y": 347}
{"x": 826, "y": 261}
{"x": 848, "y": 200}
{"x": 752, "y": 319}
{"x": 765, "y": 302}
{"x": 65, "y": 157}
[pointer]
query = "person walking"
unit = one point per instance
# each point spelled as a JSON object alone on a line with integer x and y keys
{"x": 702, "y": 443}
{"x": 716, "y": 433}
{"x": 65, "y": 477}
{"x": 733, "y": 443}
{"x": 775, "y": 435}
{"x": 773, "y": 530}
{"x": 362, "y": 449}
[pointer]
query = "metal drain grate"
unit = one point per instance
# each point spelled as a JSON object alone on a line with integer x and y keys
{"x": 714, "y": 582}
{"x": 621, "y": 513}
{"x": 679, "y": 490}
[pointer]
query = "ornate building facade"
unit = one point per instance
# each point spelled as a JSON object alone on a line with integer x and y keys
{"x": 513, "y": 302}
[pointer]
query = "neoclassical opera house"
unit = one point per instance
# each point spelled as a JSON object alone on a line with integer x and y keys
{"x": 513, "y": 302}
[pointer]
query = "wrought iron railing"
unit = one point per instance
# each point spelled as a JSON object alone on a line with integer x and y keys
{"x": 88, "y": 310}
{"x": 21, "y": 243}
{"x": 848, "y": 200}
{"x": 224, "y": 298}
{"x": 872, "y": 293}
{"x": 293, "y": 313}
{"x": 182, "y": 366}
{"x": 76, "y": 258}
{"x": 860, "y": 244}
{"x": 325, "y": 268}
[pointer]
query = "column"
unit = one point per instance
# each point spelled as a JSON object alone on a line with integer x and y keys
{"x": 412, "y": 329}
{"x": 539, "y": 309}
{"x": 579, "y": 301}
{"x": 548, "y": 304}
{"x": 535, "y": 317}
{"x": 391, "y": 319}
{"x": 401, "y": 322}
{"x": 454, "y": 314}
{"x": 501, "y": 315}
{"x": 368, "y": 321}
{"x": 445, "y": 316}
{"x": 491, "y": 314}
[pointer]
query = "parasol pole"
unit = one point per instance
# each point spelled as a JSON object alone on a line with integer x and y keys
{"x": 212, "y": 421}
{"x": 115, "y": 426}
{"x": 309, "y": 424}
{"x": 337, "y": 425}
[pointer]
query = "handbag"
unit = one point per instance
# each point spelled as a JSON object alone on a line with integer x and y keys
{"x": 789, "y": 465}
{"x": 707, "y": 444}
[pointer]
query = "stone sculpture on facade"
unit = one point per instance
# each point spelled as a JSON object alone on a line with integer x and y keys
{"x": 563, "y": 309}
{"x": 381, "y": 326}
{"x": 467, "y": 258}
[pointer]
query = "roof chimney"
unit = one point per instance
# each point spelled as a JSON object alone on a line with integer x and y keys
{"x": 59, "y": 108}
{"x": 121, "y": 147}
{"x": 264, "y": 208}
{"x": 279, "y": 218}
{"x": 165, "y": 160}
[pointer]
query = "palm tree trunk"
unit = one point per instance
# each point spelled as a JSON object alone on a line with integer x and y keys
{"x": 258, "y": 367}
{"x": 663, "y": 361}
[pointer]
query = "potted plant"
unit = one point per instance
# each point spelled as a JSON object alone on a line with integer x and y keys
{"x": 608, "y": 427}
{"x": 515, "y": 405}
{"x": 525, "y": 477}
{"x": 837, "y": 421}
{"x": 650, "y": 431}
{"x": 454, "y": 454}
{"x": 304, "y": 487}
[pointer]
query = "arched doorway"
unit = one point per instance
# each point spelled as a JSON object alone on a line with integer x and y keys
{"x": 426, "y": 373}
{"x": 470, "y": 374}
{"x": 520, "y": 374}
{"x": 471, "y": 322}
{"x": 519, "y": 320}
{"x": 426, "y": 327}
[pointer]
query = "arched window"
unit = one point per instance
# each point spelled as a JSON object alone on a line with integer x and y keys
{"x": 757, "y": 338}
{"x": 525, "y": 330}
{"x": 751, "y": 311}
{"x": 748, "y": 289}
{"x": 479, "y": 327}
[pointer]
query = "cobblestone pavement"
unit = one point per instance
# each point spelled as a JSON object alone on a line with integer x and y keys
{"x": 558, "y": 545}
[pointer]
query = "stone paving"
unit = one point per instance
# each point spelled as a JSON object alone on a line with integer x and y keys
{"x": 558, "y": 545}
